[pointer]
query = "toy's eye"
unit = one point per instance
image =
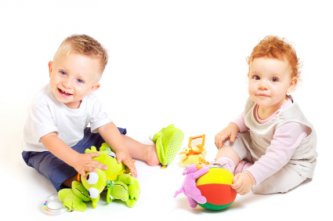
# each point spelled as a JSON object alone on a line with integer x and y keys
{"x": 93, "y": 193}
{"x": 92, "y": 178}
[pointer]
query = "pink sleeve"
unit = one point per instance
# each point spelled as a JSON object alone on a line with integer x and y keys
{"x": 240, "y": 123}
{"x": 283, "y": 145}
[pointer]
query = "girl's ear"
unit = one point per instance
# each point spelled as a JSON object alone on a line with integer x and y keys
{"x": 293, "y": 84}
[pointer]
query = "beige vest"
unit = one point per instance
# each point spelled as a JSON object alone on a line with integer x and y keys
{"x": 304, "y": 158}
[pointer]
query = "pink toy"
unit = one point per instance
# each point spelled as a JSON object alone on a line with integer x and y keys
{"x": 189, "y": 187}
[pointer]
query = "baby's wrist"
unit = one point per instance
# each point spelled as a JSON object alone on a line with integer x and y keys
{"x": 251, "y": 177}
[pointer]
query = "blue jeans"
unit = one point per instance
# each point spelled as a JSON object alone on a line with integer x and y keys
{"x": 56, "y": 170}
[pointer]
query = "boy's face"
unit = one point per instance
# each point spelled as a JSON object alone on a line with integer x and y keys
{"x": 72, "y": 77}
{"x": 270, "y": 81}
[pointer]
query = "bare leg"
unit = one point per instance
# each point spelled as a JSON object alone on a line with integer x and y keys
{"x": 228, "y": 152}
{"x": 227, "y": 158}
{"x": 144, "y": 152}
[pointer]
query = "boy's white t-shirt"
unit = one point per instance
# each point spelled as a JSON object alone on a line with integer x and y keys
{"x": 47, "y": 115}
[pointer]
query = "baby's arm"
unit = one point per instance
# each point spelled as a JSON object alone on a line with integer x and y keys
{"x": 240, "y": 123}
{"x": 231, "y": 131}
{"x": 228, "y": 133}
{"x": 116, "y": 140}
{"x": 82, "y": 163}
{"x": 283, "y": 145}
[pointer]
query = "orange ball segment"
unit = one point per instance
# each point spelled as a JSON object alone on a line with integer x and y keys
{"x": 216, "y": 187}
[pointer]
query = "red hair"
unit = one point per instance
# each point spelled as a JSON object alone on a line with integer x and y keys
{"x": 274, "y": 47}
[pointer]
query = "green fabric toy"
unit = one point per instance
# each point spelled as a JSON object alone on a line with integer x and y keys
{"x": 126, "y": 188}
{"x": 114, "y": 167}
{"x": 95, "y": 182}
{"x": 168, "y": 141}
{"x": 74, "y": 198}
{"x": 119, "y": 185}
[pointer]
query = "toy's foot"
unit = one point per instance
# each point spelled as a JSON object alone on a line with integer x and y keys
{"x": 71, "y": 201}
{"x": 168, "y": 141}
{"x": 130, "y": 203}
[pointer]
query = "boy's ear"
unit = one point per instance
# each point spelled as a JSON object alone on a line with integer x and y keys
{"x": 50, "y": 64}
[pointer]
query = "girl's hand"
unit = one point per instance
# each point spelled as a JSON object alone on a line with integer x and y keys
{"x": 125, "y": 158}
{"x": 243, "y": 182}
{"x": 85, "y": 163}
{"x": 228, "y": 133}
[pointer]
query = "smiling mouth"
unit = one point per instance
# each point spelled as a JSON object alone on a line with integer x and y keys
{"x": 262, "y": 95}
{"x": 64, "y": 92}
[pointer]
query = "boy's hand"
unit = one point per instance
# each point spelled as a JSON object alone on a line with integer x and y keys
{"x": 82, "y": 163}
{"x": 228, "y": 133}
{"x": 85, "y": 163}
{"x": 243, "y": 182}
{"x": 125, "y": 158}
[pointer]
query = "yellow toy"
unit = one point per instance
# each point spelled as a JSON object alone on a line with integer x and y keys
{"x": 215, "y": 186}
{"x": 195, "y": 152}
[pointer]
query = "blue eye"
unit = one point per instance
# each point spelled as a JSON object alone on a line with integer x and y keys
{"x": 62, "y": 72}
{"x": 80, "y": 81}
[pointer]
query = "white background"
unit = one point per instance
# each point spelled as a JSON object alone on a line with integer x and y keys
{"x": 176, "y": 61}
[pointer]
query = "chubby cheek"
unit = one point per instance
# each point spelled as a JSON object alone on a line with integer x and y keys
{"x": 80, "y": 92}
{"x": 251, "y": 89}
{"x": 55, "y": 81}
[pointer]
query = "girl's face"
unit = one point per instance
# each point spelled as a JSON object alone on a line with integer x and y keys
{"x": 270, "y": 81}
{"x": 72, "y": 77}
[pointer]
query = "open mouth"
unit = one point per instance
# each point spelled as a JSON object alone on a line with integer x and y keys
{"x": 64, "y": 92}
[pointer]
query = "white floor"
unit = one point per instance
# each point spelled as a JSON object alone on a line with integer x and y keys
{"x": 181, "y": 62}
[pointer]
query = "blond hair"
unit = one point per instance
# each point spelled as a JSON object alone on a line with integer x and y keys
{"x": 85, "y": 45}
{"x": 274, "y": 47}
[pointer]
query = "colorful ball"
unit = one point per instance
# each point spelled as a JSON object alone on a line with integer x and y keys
{"x": 216, "y": 187}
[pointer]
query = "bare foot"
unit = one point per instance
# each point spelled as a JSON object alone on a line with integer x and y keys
{"x": 68, "y": 182}
{"x": 151, "y": 157}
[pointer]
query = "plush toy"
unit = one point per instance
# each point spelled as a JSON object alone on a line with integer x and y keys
{"x": 74, "y": 198}
{"x": 210, "y": 187}
{"x": 97, "y": 181}
{"x": 168, "y": 141}
{"x": 126, "y": 188}
{"x": 114, "y": 167}
{"x": 189, "y": 187}
{"x": 215, "y": 185}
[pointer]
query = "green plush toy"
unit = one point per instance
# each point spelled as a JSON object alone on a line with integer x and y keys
{"x": 168, "y": 141}
{"x": 74, "y": 198}
{"x": 114, "y": 167}
{"x": 126, "y": 188}
{"x": 94, "y": 182}
{"x": 119, "y": 185}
